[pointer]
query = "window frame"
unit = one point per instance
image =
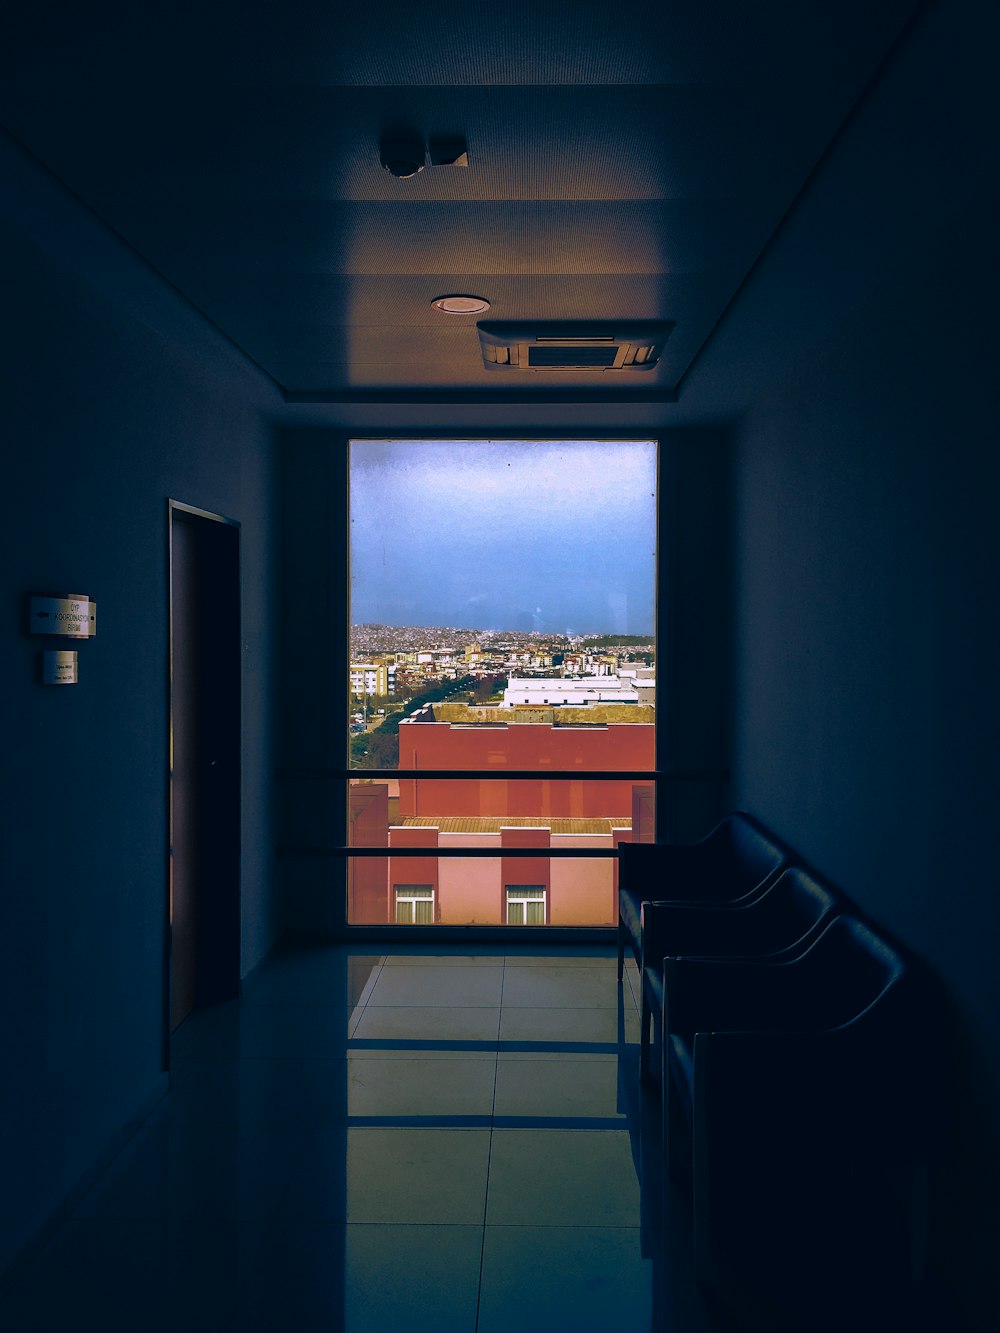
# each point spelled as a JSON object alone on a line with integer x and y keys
{"x": 522, "y": 895}
{"x": 314, "y": 855}
{"x": 405, "y": 893}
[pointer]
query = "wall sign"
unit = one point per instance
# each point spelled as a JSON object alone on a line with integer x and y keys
{"x": 59, "y": 668}
{"x": 69, "y": 617}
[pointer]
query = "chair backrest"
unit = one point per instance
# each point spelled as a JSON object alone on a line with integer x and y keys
{"x": 736, "y": 857}
{"x": 852, "y": 972}
{"x": 795, "y": 907}
{"x": 748, "y": 853}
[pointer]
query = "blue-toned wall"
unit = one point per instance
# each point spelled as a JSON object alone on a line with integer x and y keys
{"x": 115, "y": 396}
{"x": 866, "y": 551}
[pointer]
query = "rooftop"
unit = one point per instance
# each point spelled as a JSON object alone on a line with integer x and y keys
{"x": 603, "y": 714}
{"x": 494, "y": 824}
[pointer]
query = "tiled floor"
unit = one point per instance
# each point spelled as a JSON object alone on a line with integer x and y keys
{"x": 367, "y": 1142}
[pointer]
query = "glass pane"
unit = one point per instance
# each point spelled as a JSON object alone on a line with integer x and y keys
{"x": 535, "y": 913}
{"x": 490, "y": 630}
{"x": 424, "y": 911}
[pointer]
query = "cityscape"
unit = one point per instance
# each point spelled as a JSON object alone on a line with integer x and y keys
{"x": 435, "y": 698}
{"x": 396, "y": 662}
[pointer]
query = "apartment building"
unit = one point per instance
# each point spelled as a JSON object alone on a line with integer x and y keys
{"x": 487, "y": 810}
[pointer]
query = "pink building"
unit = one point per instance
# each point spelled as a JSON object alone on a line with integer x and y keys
{"x": 502, "y": 813}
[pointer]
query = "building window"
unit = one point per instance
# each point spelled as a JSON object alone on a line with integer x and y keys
{"x": 414, "y": 905}
{"x": 525, "y": 905}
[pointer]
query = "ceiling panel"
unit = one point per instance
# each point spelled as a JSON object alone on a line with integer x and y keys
{"x": 621, "y": 165}
{"x": 441, "y": 42}
{"x": 253, "y": 145}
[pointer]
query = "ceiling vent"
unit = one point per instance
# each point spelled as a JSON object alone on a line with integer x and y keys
{"x": 625, "y": 345}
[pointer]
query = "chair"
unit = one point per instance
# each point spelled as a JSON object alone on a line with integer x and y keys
{"x": 777, "y": 925}
{"x": 798, "y": 1087}
{"x": 733, "y": 863}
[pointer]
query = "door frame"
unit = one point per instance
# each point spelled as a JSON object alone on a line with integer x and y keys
{"x": 204, "y": 516}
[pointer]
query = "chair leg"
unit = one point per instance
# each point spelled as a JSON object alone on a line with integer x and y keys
{"x": 621, "y": 949}
{"x": 644, "y": 1026}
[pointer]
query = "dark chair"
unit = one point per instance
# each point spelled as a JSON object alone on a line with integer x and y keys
{"x": 779, "y": 924}
{"x": 802, "y": 1089}
{"x": 734, "y": 862}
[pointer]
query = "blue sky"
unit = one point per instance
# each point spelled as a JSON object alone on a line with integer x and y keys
{"x": 547, "y": 535}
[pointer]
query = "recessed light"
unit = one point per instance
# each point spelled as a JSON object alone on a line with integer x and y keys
{"x": 461, "y": 305}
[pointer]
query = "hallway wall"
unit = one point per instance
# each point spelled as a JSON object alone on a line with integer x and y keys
{"x": 866, "y": 555}
{"x": 116, "y": 395}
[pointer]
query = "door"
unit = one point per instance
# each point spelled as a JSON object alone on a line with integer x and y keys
{"x": 205, "y": 708}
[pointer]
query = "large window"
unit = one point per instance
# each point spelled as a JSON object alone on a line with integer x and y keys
{"x": 502, "y": 649}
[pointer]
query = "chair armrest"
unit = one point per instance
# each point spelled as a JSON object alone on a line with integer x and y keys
{"x": 801, "y": 1086}
{"x": 666, "y": 858}
{"x": 684, "y": 928}
{"x": 709, "y": 994}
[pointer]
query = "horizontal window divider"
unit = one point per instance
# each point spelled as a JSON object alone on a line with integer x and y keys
{"x": 485, "y": 853}
{"x": 514, "y": 774}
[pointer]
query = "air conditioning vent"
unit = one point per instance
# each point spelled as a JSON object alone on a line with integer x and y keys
{"x": 572, "y": 346}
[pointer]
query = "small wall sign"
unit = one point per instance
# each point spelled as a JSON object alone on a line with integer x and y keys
{"x": 59, "y": 668}
{"x": 70, "y": 617}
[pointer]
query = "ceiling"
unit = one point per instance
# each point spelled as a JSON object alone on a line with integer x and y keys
{"x": 624, "y": 163}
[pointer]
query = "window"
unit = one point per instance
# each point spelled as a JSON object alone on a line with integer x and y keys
{"x": 414, "y": 905}
{"x": 525, "y": 905}
{"x": 474, "y": 565}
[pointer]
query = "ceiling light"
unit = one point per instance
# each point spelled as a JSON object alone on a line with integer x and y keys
{"x": 461, "y": 305}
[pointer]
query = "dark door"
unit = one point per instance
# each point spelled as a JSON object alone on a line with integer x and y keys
{"x": 205, "y": 708}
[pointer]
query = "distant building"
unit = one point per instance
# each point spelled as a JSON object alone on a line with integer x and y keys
{"x": 564, "y": 691}
{"x": 373, "y": 678}
{"x": 499, "y": 813}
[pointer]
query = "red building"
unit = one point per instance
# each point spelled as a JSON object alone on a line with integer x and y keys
{"x": 504, "y": 813}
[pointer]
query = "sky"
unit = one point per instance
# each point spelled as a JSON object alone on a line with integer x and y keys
{"x": 556, "y": 536}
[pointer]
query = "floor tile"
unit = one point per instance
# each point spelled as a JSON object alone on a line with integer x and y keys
{"x": 428, "y": 1023}
{"x": 416, "y": 957}
{"x": 559, "y": 987}
{"x": 397, "y": 1176}
{"x": 314, "y": 976}
{"x": 422, "y": 1087}
{"x": 321, "y": 1278}
{"x": 590, "y": 1280}
{"x": 553, "y": 1177}
{"x": 434, "y": 986}
{"x": 188, "y": 1171}
{"x": 288, "y": 1093}
{"x": 584, "y": 1026}
{"x": 129, "y": 1276}
{"x": 587, "y": 1089}
{"x": 245, "y": 1031}
{"x": 568, "y": 956}
{"x": 377, "y": 1049}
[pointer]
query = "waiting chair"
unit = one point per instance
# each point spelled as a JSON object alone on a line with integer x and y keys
{"x": 801, "y": 1088}
{"x": 777, "y": 925}
{"x": 733, "y": 863}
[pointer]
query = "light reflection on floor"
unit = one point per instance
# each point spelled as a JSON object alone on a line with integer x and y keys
{"x": 428, "y": 1140}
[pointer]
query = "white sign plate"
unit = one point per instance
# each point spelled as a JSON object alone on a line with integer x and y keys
{"x": 59, "y": 668}
{"x": 70, "y": 617}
